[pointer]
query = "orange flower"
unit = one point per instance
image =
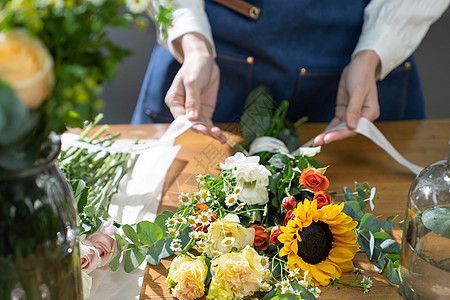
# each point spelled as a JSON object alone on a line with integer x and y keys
{"x": 322, "y": 198}
{"x": 314, "y": 180}
{"x": 261, "y": 238}
{"x": 276, "y": 231}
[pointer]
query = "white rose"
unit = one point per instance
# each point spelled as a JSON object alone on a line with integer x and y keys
{"x": 251, "y": 176}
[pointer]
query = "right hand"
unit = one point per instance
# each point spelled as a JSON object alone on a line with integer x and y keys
{"x": 194, "y": 89}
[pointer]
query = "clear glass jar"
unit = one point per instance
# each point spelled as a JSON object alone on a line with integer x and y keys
{"x": 425, "y": 255}
{"x": 39, "y": 254}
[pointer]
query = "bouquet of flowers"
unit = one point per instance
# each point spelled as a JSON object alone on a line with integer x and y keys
{"x": 267, "y": 224}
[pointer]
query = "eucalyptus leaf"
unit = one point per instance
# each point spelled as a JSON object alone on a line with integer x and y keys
{"x": 279, "y": 160}
{"x": 437, "y": 219}
{"x": 131, "y": 234}
{"x": 353, "y": 209}
{"x": 120, "y": 242}
{"x": 371, "y": 245}
{"x": 158, "y": 251}
{"x": 348, "y": 194}
{"x": 387, "y": 225}
{"x": 115, "y": 262}
{"x": 390, "y": 246}
{"x": 392, "y": 272}
{"x": 370, "y": 222}
{"x": 133, "y": 258}
{"x": 148, "y": 233}
{"x": 289, "y": 297}
{"x": 80, "y": 191}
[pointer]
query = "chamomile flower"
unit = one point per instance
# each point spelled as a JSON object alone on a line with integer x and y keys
{"x": 315, "y": 291}
{"x": 293, "y": 273}
{"x": 205, "y": 195}
{"x": 264, "y": 261}
{"x": 238, "y": 296}
{"x": 175, "y": 245}
{"x": 193, "y": 235}
{"x": 200, "y": 179}
{"x": 366, "y": 284}
{"x": 228, "y": 241}
{"x": 203, "y": 218}
{"x": 137, "y": 6}
{"x": 285, "y": 284}
{"x": 287, "y": 290}
{"x": 191, "y": 220}
{"x": 265, "y": 287}
{"x": 185, "y": 199}
{"x": 201, "y": 235}
{"x": 231, "y": 200}
{"x": 240, "y": 206}
{"x": 202, "y": 244}
{"x": 216, "y": 253}
{"x": 237, "y": 190}
{"x": 171, "y": 222}
{"x": 265, "y": 211}
{"x": 172, "y": 231}
{"x": 180, "y": 219}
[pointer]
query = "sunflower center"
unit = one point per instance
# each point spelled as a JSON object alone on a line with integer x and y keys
{"x": 317, "y": 241}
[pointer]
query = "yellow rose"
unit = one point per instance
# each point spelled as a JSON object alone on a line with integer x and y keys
{"x": 225, "y": 234}
{"x": 187, "y": 277}
{"x": 27, "y": 66}
{"x": 240, "y": 272}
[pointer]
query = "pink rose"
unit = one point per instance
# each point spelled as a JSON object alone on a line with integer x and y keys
{"x": 90, "y": 257}
{"x": 104, "y": 242}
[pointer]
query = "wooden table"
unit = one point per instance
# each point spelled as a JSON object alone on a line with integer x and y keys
{"x": 354, "y": 159}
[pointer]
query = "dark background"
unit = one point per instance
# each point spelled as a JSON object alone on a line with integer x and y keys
{"x": 121, "y": 95}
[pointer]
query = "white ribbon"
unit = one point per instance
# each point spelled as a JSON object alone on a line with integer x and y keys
{"x": 365, "y": 127}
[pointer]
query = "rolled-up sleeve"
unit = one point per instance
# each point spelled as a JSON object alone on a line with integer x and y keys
{"x": 395, "y": 28}
{"x": 188, "y": 17}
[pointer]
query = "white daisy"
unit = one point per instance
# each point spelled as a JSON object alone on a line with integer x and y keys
{"x": 265, "y": 211}
{"x": 265, "y": 287}
{"x": 228, "y": 241}
{"x": 238, "y": 296}
{"x": 205, "y": 195}
{"x": 185, "y": 199}
{"x": 180, "y": 219}
{"x": 287, "y": 290}
{"x": 264, "y": 261}
{"x": 237, "y": 190}
{"x": 193, "y": 235}
{"x": 231, "y": 200}
{"x": 191, "y": 220}
{"x": 201, "y": 235}
{"x": 137, "y": 6}
{"x": 203, "y": 218}
{"x": 172, "y": 232}
{"x": 171, "y": 222}
{"x": 175, "y": 245}
{"x": 202, "y": 244}
{"x": 200, "y": 179}
{"x": 240, "y": 206}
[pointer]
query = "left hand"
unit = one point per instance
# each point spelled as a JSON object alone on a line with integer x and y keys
{"x": 357, "y": 97}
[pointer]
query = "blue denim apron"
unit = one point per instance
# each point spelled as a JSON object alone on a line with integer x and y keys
{"x": 297, "y": 48}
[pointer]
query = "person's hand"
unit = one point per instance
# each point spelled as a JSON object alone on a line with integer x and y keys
{"x": 357, "y": 97}
{"x": 194, "y": 89}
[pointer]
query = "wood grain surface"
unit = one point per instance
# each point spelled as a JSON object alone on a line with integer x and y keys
{"x": 354, "y": 159}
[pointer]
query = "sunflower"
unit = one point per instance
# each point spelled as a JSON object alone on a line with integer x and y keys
{"x": 321, "y": 241}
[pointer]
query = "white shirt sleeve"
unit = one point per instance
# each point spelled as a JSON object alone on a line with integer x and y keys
{"x": 395, "y": 28}
{"x": 188, "y": 17}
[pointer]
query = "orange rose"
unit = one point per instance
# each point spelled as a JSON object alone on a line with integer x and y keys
{"x": 261, "y": 238}
{"x": 276, "y": 231}
{"x": 314, "y": 180}
{"x": 322, "y": 198}
{"x": 289, "y": 216}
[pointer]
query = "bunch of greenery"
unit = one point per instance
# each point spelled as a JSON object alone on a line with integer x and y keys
{"x": 84, "y": 57}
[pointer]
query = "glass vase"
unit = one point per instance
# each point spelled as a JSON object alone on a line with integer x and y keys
{"x": 425, "y": 254}
{"x": 39, "y": 254}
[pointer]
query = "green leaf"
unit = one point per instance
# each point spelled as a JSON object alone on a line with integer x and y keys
{"x": 353, "y": 209}
{"x": 387, "y": 225}
{"x": 304, "y": 293}
{"x": 392, "y": 272}
{"x": 131, "y": 234}
{"x": 370, "y": 222}
{"x": 115, "y": 262}
{"x": 148, "y": 233}
{"x": 390, "y": 246}
{"x": 120, "y": 242}
{"x": 158, "y": 251}
{"x": 257, "y": 115}
{"x": 269, "y": 295}
{"x": 80, "y": 191}
{"x": 133, "y": 258}
{"x": 289, "y": 297}
{"x": 437, "y": 219}
{"x": 348, "y": 194}
{"x": 382, "y": 235}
